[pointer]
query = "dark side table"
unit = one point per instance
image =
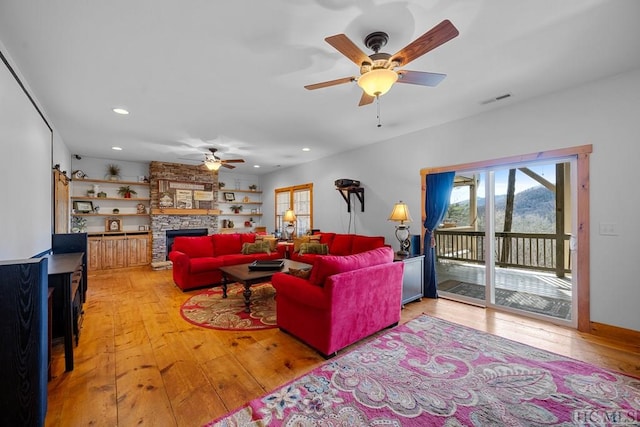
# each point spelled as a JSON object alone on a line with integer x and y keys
{"x": 413, "y": 279}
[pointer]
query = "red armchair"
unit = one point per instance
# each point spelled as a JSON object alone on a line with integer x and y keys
{"x": 346, "y": 299}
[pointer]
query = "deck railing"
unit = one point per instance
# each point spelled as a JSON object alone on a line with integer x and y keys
{"x": 532, "y": 251}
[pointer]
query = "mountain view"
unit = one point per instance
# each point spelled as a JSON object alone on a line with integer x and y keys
{"x": 533, "y": 212}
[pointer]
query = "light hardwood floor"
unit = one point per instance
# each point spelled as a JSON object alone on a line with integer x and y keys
{"x": 139, "y": 362}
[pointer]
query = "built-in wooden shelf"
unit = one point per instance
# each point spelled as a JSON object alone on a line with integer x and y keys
{"x": 228, "y": 190}
{"x": 110, "y": 181}
{"x": 124, "y": 199}
{"x": 109, "y": 214}
{"x": 117, "y": 233}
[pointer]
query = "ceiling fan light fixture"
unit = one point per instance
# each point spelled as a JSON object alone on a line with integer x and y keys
{"x": 377, "y": 82}
{"x": 212, "y": 164}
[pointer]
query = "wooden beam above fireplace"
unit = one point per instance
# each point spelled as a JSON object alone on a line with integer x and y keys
{"x": 175, "y": 211}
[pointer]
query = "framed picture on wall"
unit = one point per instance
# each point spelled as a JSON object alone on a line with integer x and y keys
{"x": 83, "y": 207}
{"x": 229, "y": 197}
{"x": 112, "y": 224}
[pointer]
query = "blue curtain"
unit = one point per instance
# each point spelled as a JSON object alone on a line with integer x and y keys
{"x": 439, "y": 188}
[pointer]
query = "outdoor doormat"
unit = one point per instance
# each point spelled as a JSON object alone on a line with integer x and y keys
{"x": 521, "y": 300}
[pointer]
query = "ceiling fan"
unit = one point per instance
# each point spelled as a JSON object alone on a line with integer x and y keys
{"x": 377, "y": 71}
{"x": 213, "y": 162}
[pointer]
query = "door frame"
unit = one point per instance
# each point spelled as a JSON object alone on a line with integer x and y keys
{"x": 581, "y": 154}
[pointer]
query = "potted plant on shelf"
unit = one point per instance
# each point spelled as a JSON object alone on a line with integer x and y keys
{"x": 78, "y": 225}
{"x": 221, "y": 184}
{"x": 126, "y": 191}
{"x": 253, "y": 187}
{"x": 113, "y": 172}
{"x": 236, "y": 208}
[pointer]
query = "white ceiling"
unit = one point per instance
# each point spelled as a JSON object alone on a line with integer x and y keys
{"x": 202, "y": 73}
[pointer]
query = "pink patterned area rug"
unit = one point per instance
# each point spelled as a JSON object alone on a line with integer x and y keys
{"x": 431, "y": 372}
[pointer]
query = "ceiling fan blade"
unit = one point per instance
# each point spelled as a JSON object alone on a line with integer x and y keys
{"x": 330, "y": 83}
{"x": 366, "y": 99}
{"x": 224, "y": 165}
{"x": 345, "y": 46}
{"x": 233, "y": 161}
{"x": 440, "y": 34}
{"x": 420, "y": 78}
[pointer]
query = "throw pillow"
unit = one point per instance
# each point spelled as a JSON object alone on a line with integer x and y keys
{"x": 314, "y": 248}
{"x": 273, "y": 242}
{"x": 302, "y": 273}
{"x": 255, "y": 248}
{"x": 297, "y": 241}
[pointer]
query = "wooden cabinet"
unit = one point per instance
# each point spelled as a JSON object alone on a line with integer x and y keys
{"x": 113, "y": 252}
{"x": 413, "y": 279}
{"x": 94, "y": 253}
{"x": 118, "y": 251}
{"x": 138, "y": 250}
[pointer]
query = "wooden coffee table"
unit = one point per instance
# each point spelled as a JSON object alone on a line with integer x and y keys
{"x": 241, "y": 273}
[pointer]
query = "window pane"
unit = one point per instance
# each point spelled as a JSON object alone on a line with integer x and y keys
{"x": 300, "y": 199}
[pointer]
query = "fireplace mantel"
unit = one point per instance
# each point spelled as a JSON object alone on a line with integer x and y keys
{"x": 175, "y": 211}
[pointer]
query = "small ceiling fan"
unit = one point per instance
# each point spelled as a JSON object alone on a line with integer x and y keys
{"x": 377, "y": 71}
{"x": 213, "y": 162}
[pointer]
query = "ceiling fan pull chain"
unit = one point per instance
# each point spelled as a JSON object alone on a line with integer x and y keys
{"x": 378, "y": 104}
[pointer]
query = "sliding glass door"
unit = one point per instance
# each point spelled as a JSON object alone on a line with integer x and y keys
{"x": 506, "y": 239}
{"x": 460, "y": 241}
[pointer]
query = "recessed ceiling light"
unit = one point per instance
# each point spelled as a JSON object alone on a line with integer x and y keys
{"x": 120, "y": 111}
{"x": 256, "y": 166}
{"x": 117, "y": 148}
{"x": 306, "y": 149}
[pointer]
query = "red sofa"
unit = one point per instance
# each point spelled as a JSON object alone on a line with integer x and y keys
{"x": 337, "y": 244}
{"x": 196, "y": 260}
{"x": 345, "y": 299}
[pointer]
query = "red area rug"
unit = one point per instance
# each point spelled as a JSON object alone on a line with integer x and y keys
{"x": 209, "y": 310}
{"x": 430, "y": 372}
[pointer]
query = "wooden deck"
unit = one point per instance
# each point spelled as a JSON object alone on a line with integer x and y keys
{"x": 532, "y": 282}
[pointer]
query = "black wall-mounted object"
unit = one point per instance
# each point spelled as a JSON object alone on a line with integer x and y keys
{"x": 346, "y": 195}
{"x": 345, "y": 182}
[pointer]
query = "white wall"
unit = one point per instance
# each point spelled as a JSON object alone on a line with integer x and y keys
{"x": 605, "y": 113}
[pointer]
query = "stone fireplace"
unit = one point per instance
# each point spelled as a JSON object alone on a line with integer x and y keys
{"x": 172, "y": 234}
{"x": 173, "y": 221}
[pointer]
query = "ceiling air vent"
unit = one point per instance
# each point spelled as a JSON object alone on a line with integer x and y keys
{"x": 497, "y": 98}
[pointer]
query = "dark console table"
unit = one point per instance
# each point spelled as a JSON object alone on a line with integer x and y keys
{"x": 65, "y": 276}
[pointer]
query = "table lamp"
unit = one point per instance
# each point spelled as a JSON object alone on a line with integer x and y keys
{"x": 290, "y": 218}
{"x": 400, "y": 213}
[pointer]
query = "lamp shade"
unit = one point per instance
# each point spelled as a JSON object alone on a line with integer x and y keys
{"x": 400, "y": 213}
{"x": 378, "y": 81}
{"x": 212, "y": 164}
{"x": 289, "y": 216}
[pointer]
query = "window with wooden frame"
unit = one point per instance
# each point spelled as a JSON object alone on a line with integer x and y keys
{"x": 300, "y": 199}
